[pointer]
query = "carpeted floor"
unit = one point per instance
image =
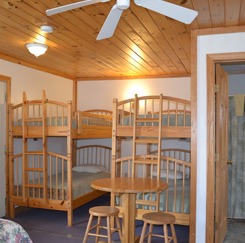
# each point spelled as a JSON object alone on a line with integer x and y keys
{"x": 51, "y": 226}
{"x": 235, "y": 231}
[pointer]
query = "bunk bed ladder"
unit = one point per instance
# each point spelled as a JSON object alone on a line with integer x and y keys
{"x": 148, "y": 162}
{"x": 147, "y": 139}
{"x": 38, "y": 169}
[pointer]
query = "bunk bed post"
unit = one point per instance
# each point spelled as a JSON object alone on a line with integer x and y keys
{"x": 160, "y": 135}
{"x": 114, "y": 138}
{"x": 69, "y": 165}
{"x": 136, "y": 111}
{"x": 11, "y": 166}
{"x": 159, "y": 146}
{"x": 114, "y": 146}
{"x": 25, "y": 109}
{"x": 44, "y": 133}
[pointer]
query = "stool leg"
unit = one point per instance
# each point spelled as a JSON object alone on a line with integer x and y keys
{"x": 98, "y": 229}
{"x": 150, "y": 233}
{"x": 165, "y": 229}
{"x": 108, "y": 228}
{"x": 142, "y": 236}
{"x": 119, "y": 227}
{"x": 88, "y": 228}
{"x": 173, "y": 233}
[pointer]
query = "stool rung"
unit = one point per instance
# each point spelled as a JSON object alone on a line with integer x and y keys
{"x": 98, "y": 235}
{"x": 103, "y": 227}
{"x": 97, "y": 225}
{"x": 157, "y": 235}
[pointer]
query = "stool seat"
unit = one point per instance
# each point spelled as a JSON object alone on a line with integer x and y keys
{"x": 158, "y": 218}
{"x": 103, "y": 212}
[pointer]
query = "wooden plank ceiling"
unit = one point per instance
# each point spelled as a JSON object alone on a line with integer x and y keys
{"x": 145, "y": 43}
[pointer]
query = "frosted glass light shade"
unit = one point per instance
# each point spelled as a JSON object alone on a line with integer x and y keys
{"x": 37, "y": 49}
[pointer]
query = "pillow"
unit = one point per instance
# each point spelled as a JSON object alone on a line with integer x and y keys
{"x": 88, "y": 168}
{"x": 171, "y": 174}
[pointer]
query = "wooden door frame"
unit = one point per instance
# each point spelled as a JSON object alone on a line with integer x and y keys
{"x": 212, "y": 59}
{"x": 7, "y": 81}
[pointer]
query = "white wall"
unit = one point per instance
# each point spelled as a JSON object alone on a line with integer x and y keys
{"x": 99, "y": 94}
{"x": 33, "y": 82}
{"x": 208, "y": 44}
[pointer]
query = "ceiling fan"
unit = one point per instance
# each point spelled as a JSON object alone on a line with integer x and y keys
{"x": 171, "y": 10}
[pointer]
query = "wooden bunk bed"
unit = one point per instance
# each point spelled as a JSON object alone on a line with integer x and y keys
{"x": 150, "y": 121}
{"x": 43, "y": 179}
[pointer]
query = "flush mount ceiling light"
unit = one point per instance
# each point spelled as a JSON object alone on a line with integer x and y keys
{"x": 37, "y": 49}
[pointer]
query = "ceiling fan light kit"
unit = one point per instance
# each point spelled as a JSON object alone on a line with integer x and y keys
{"x": 170, "y": 10}
{"x": 37, "y": 49}
{"x": 47, "y": 29}
{"x": 123, "y": 4}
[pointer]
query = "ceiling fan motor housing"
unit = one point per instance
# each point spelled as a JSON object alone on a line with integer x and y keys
{"x": 123, "y": 4}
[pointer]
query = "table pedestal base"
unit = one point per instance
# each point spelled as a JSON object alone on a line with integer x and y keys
{"x": 128, "y": 223}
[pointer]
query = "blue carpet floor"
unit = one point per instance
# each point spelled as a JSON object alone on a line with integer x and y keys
{"x": 51, "y": 226}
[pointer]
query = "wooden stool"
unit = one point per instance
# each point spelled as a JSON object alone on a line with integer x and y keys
{"x": 158, "y": 218}
{"x": 103, "y": 211}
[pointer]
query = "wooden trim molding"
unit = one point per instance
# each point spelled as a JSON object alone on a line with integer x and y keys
{"x": 210, "y": 149}
{"x": 192, "y": 232}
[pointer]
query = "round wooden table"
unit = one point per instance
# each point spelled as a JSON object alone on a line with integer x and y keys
{"x": 129, "y": 187}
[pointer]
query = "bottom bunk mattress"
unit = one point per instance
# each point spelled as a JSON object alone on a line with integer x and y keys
{"x": 82, "y": 180}
{"x": 13, "y": 232}
{"x": 57, "y": 185}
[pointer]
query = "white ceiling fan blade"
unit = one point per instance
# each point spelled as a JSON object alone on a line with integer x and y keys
{"x": 110, "y": 24}
{"x": 171, "y": 10}
{"x": 71, "y": 6}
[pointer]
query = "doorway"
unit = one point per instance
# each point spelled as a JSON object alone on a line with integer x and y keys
{"x": 5, "y": 97}
{"x": 236, "y": 168}
{"x": 211, "y": 62}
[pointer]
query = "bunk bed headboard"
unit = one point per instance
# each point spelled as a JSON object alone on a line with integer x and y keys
{"x": 176, "y": 161}
{"x": 175, "y": 116}
{"x": 95, "y": 156}
{"x": 183, "y": 154}
{"x": 175, "y": 111}
{"x": 100, "y": 111}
